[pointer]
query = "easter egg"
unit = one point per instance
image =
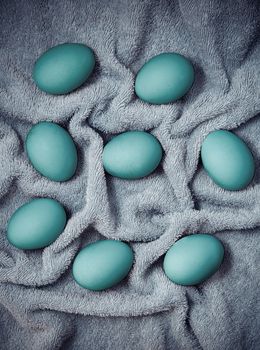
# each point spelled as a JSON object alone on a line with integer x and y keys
{"x": 102, "y": 264}
{"x": 164, "y": 78}
{"x": 227, "y": 160}
{"x": 36, "y": 224}
{"x": 63, "y": 68}
{"x": 52, "y": 151}
{"x": 193, "y": 259}
{"x": 132, "y": 155}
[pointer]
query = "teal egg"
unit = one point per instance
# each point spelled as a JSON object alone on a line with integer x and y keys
{"x": 164, "y": 78}
{"x": 132, "y": 155}
{"x": 102, "y": 264}
{"x": 63, "y": 68}
{"x": 52, "y": 151}
{"x": 36, "y": 224}
{"x": 227, "y": 160}
{"x": 193, "y": 259}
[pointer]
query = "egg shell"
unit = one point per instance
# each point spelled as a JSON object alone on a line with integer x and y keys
{"x": 132, "y": 155}
{"x": 164, "y": 78}
{"x": 36, "y": 224}
{"x": 102, "y": 264}
{"x": 193, "y": 259}
{"x": 63, "y": 68}
{"x": 52, "y": 151}
{"x": 227, "y": 160}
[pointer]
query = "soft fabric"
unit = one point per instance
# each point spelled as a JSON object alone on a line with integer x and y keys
{"x": 41, "y": 306}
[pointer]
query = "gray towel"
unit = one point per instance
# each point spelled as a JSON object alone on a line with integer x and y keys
{"x": 42, "y": 307}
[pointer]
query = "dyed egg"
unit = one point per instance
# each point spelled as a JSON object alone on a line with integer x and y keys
{"x": 36, "y": 224}
{"x": 63, "y": 68}
{"x": 102, "y": 264}
{"x": 132, "y": 155}
{"x": 52, "y": 151}
{"x": 193, "y": 259}
{"x": 227, "y": 160}
{"x": 164, "y": 78}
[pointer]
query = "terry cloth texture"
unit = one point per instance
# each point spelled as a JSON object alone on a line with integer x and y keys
{"x": 42, "y": 308}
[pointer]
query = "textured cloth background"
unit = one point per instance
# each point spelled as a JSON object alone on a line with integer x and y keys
{"x": 41, "y": 306}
